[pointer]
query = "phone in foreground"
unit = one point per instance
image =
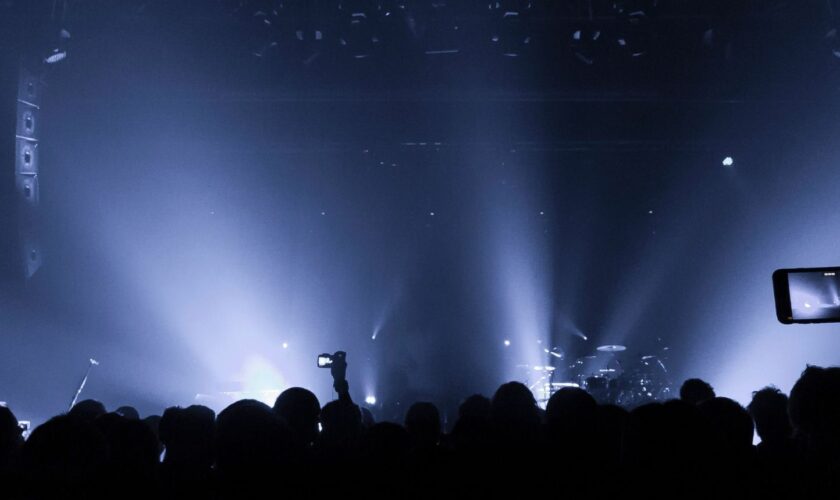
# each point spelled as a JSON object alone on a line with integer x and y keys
{"x": 325, "y": 360}
{"x": 807, "y": 295}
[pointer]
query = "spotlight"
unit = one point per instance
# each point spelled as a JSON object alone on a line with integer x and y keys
{"x": 507, "y": 343}
{"x": 371, "y": 400}
{"x": 285, "y": 345}
{"x": 728, "y": 161}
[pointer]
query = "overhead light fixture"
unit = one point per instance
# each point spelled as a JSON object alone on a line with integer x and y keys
{"x": 59, "y": 53}
{"x": 56, "y": 56}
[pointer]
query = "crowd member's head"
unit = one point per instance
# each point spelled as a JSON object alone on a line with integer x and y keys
{"x": 570, "y": 408}
{"x": 88, "y": 410}
{"x": 250, "y": 440}
{"x": 11, "y": 437}
{"x": 341, "y": 423}
{"x": 66, "y": 455}
{"x": 731, "y": 424}
{"x": 645, "y": 441}
{"x": 571, "y": 420}
{"x": 133, "y": 453}
{"x": 128, "y": 412}
{"x": 668, "y": 437}
{"x": 769, "y": 410}
{"x": 514, "y": 402}
{"x": 187, "y": 434}
{"x": 470, "y": 433}
{"x": 300, "y": 409}
{"x": 514, "y": 416}
{"x": 696, "y": 391}
{"x": 476, "y": 405}
{"x": 422, "y": 421}
{"x": 814, "y": 409}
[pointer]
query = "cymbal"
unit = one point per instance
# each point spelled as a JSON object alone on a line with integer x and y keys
{"x": 611, "y": 348}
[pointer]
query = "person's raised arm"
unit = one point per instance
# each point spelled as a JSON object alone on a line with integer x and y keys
{"x": 338, "y": 370}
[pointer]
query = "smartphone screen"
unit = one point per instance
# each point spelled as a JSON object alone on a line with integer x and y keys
{"x": 807, "y": 295}
{"x": 324, "y": 361}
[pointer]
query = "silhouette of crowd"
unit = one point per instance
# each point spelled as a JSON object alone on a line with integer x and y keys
{"x": 699, "y": 444}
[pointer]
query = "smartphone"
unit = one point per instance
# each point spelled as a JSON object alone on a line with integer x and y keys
{"x": 807, "y": 295}
{"x": 325, "y": 360}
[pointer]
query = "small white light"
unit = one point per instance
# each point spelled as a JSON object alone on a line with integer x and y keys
{"x": 507, "y": 343}
{"x": 371, "y": 400}
{"x": 285, "y": 345}
{"x": 728, "y": 161}
{"x": 432, "y": 214}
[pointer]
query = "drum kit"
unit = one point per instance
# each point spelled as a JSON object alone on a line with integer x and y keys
{"x": 611, "y": 375}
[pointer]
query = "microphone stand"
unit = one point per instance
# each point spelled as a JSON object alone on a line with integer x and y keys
{"x": 82, "y": 385}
